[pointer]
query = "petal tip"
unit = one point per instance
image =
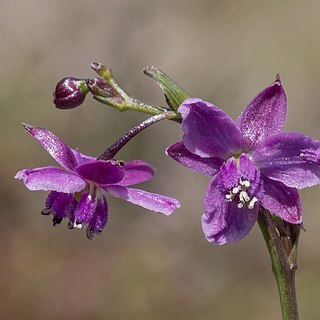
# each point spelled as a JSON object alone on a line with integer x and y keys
{"x": 28, "y": 127}
{"x": 20, "y": 175}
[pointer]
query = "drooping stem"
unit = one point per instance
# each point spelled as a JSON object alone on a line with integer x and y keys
{"x": 119, "y": 144}
{"x": 282, "y": 241}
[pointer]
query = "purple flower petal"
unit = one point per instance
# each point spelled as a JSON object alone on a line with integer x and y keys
{"x": 81, "y": 158}
{"x": 291, "y": 157}
{"x": 60, "y": 205}
{"x": 223, "y": 221}
{"x": 208, "y": 131}
{"x": 282, "y": 201}
{"x": 51, "y": 178}
{"x": 136, "y": 171}
{"x": 150, "y": 201}
{"x": 181, "y": 154}
{"x": 84, "y": 210}
{"x": 57, "y": 148}
{"x": 101, "y": 172}
{"x": 99, "y": 218}
{"x": 264, "y": 116}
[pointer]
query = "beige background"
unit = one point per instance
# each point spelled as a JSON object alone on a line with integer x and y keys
{"x": 144, "y": 265}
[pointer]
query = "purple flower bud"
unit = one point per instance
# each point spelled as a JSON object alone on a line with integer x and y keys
{"x": 100, "y": 87}
{"x": 70, "y": 93}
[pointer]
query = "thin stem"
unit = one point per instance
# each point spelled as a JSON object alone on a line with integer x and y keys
{"x": 119, "y": 144}
{"x": 282, "y": 240}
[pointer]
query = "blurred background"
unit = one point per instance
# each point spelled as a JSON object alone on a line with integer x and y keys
{"x": 145, "y": 265}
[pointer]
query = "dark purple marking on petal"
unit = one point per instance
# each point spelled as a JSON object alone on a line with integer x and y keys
{"x": 60, "y": 205}
{"x": 290, "y": 157}
{"x": 264, "y": 116}
{"x": 54, "y": 146}
{"x": 84, "y": 210}
{"x": 181, "y": 154}
{"x": 147, "y": 200}
{"x": 51, "y": 179}
{"x": 136, "y": 171}
{"x": 223, "y": 221}
{"x": 99, "y": 218}
{"x": 101, "y": 172}
{"x": 208, "y": 131}
{"x": 282, "y": 201}
{"x": 229, "y": 175}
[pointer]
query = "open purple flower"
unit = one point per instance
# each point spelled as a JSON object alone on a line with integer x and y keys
{"x": 77, "y": 192}
{"x": 251, "y": 162}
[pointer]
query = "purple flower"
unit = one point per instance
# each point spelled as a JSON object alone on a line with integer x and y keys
{"x": 77, "y": 192}
{"x": 251, "y": 162}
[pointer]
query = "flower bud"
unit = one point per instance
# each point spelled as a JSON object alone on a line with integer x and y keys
{"x": 70, "y": 93}
{"x": 102, "y": 70}
{"x": 100, "y": 87}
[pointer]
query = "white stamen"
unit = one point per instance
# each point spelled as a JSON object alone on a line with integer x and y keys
{"x": 77, "y": 225}
{"x": 301, "y": 154}
{"x": 229, "y": 197}
{"x": 240, "y": 205}
{"x": 244, "y": 197}
{"x": 252, "y": 203}
{"x": 235, "y": 190}
{"x": 245, "y": 183}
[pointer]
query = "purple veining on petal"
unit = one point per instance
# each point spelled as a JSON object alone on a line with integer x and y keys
{"x": 101, "y": 172}
{"x": 223, "y": 221}
{"x": 81, "y": 158}
{"x": 291, "y": 158}
{"x": 51, "y": 179}
{"x": 54, "y": 146}
{"x": 208, "y": 131}
{"x": 84, "y": 210}
{"x": 147, "y": 200}
{"x": 264, "y": 116}
{"x": 207, "y": 166}
{"x": 282, "y": 201}
{"x": 136, "y": 171}
{"x": 99, "y": 218}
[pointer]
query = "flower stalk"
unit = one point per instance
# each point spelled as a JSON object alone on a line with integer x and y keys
{"x": 122, "y": 101}
{"x": 119, "y": 144}
{"x": 282, "y": 242}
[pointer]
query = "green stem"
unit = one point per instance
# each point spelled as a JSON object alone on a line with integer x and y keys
{"x": 126, "y": 102}
{"x": 282, "y": 240}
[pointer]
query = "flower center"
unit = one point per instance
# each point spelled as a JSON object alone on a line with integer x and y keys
{"x": 240, "y": 190}
{"x": 240, "y": 182}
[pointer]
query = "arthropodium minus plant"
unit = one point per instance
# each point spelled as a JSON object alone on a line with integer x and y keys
{"x": 255, "y": 168}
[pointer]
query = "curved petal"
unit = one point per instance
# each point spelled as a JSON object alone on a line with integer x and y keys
{"x": 282, "y": 201}
{"x": 264, "y": 116}
{"x": 181, "y": 154}
{"x": 56, "y": 147}
{"x": 208, "y": 131}
{"x": 60, "y": 205}
{"x": 51, "y": 178}
{"x": 99, "y": 218}
{"x": 81, "y": 158}
{"x": 290, "y": 157}
{"x": 223, "y": 221}
{"x": 136, "y": 171}
{"x": 84, "y": 210}
{"x": 101, "y": 172}
{"x": 147, "y": 200}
